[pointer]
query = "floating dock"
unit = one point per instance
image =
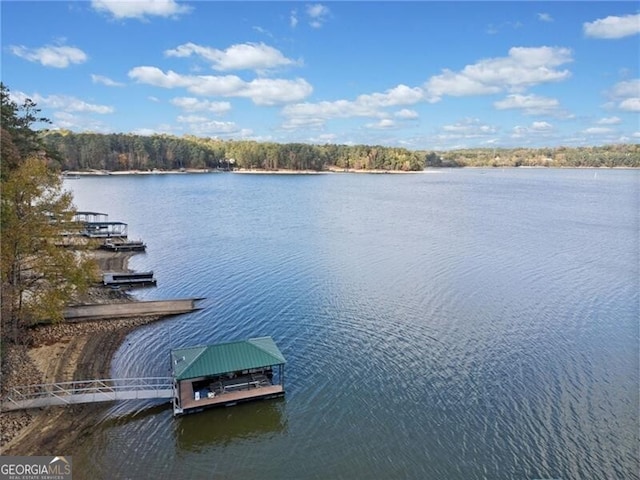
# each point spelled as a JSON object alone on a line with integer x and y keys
{"x": 124, "y": 246}
{"x": 133, "y": 279}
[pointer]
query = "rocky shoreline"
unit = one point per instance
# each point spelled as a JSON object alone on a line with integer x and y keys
{"x": 58, "y": 353}
{"x": 63, "y": 352}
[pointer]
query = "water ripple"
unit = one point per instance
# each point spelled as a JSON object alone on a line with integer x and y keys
{"x": 454, "y": 326}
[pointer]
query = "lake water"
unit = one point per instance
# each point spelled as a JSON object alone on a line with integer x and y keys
{"x": 464, "y": 324}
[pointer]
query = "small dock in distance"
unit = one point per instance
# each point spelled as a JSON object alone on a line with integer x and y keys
{"x": 124, "y": 246}
{"x": 128, "y": 279}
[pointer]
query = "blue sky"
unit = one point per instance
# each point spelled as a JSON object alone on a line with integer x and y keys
{"x": 424, "y": 75}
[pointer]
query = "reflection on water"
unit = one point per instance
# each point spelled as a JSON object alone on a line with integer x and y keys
{"x": 222, "y": 426}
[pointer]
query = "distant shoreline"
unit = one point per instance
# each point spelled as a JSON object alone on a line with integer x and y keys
{"x": 71, "y": 174}
{"x": 256, "y": 171}
{"x": 99, "y": 173}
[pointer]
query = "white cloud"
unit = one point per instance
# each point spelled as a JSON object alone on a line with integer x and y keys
{"x": 457, "y": 85}
{"x": 266, "y": 91}
{"x": 597, "y": 130}
{"x": 494, "y": 29}
{"x": 156, "y": 77}
{"x": 613, "y": 27}
{"x": 324, "y": 138}
{"x": 383, "y": 124}
{"x": 295, "y": 123}
{"x": 262, "y": 91}
{"x": 192, "y": 104}
{"x": 536, "y": 129}
{"x": 626, "y": 95}
{"x": 630, "y": 105}
{"x": 398, "y": 95}
{"x": 214, "y": 127}
{"x": 327, "y": 110}
{"x": 245, "y": 56}
{"x": 191, "y": 119}
{"x": 105, "y": 81}
{"x": 625, "y": 89}
{"x": 145, "y": 132}
{"x": 524, "y": 67}
{"x": 293, "y": 19}
{"x": 529, "y": 104}
{"x": 406, "y": 114}
{"x": 77, "y": 123}
{"x": 545, "y": 17}
{"x": 140, "y": 9}
{"x": 160, "y": 129}
{"x": 264, "y": 31}
{"x": 50, "y": 56}
{"x": 63, "y": 102}
{"x": 366, "y": 105}
{"x": 317, "y": 15}
{"x": 203, "y": 126}
{"x": 609, "y": 121}
{"x": 541, "y": 126}
{"x": 468, "y": 128}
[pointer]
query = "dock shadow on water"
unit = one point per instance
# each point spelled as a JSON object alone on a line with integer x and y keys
{"x": 225, "y": 425}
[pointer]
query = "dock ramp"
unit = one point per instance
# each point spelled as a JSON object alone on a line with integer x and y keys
{"x": 87, "y": 391}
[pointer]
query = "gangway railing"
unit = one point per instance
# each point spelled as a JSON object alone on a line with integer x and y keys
{"x": 87, "y": 391}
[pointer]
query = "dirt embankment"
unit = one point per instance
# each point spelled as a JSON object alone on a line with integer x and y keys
{"x": 63, "y": 352}
{"x": 60, "y": 353}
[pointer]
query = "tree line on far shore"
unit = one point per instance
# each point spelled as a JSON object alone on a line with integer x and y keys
{"x": 620, "y": 155}
{"x": 119, "y": 151}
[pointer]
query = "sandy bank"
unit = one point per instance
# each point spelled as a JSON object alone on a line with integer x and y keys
{"x": 331, "y": 170}
{"x": 83, "y": 173}
{"x": 259, "y": 171}
{"x": 59, "y": 353}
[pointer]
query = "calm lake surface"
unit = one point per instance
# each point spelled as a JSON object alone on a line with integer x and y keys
{"x": 464, "y": 324}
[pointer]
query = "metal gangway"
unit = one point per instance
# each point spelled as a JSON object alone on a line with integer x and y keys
{"x": 87, "y": 391}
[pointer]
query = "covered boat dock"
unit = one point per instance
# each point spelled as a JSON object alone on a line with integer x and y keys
{"x": 226, "y": 373}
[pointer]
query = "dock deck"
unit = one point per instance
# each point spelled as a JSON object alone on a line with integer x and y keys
{"x": 229, "y": 397}
{"x": 226, "y": 374}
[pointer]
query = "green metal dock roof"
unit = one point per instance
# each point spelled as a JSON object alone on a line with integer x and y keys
{"x": 209, "y": 360}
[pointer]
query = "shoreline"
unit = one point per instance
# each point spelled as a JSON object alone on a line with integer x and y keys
{"x": 59, "y": 353}
{"x": 73, "y": 175}
{"x": 63, "y": 352}
{"x": 330, "y": 171}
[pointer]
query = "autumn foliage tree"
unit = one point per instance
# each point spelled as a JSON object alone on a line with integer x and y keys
{"x": 38, "y": 277}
